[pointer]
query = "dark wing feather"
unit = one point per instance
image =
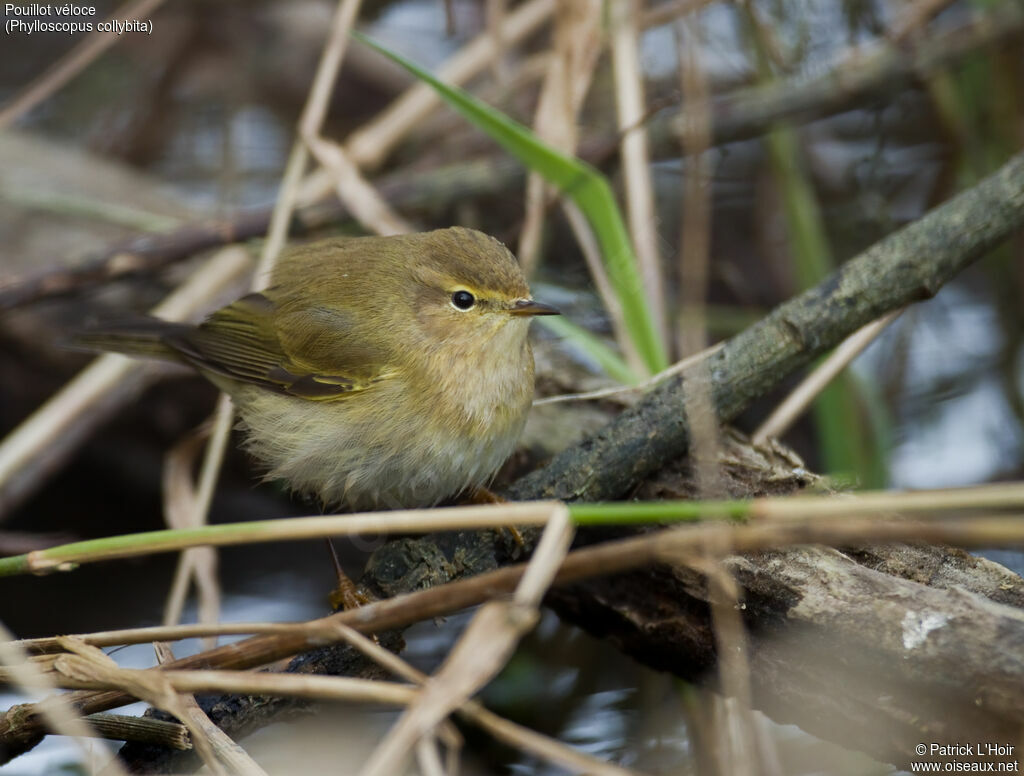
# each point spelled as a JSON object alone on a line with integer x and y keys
{"x": 245, "y": 341}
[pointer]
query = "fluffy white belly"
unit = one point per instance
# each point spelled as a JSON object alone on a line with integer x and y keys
{"x": 346, "y": 453}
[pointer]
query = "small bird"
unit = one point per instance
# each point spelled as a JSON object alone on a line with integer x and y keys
{"x": 374, "y": 372}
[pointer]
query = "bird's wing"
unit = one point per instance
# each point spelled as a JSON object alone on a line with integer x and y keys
{"x": 309, "y": 353}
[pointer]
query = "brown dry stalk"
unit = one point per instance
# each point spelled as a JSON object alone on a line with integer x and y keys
{"x": 639, "y": 189}
{"x": 508, "y": 732}
{"x": 483, "y": 650}
{"x": 801, "y": 397}
{"x": 90, "y": 664}
{"x": 71, "y": 672}
{"x": 228, "y": 754}
{"x": 362, "y": 199}
{"x": 676, "y": 545}
{"x": 577, "y": 43}
{"x": 182, "y": 509}
{"x": 59, "y": 714}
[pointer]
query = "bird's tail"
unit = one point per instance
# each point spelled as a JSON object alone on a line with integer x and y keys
{"x": 142, "y": 337}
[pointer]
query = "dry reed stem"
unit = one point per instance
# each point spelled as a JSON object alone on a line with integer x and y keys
{"x": 636, "y": 164}
{"x": 91, "y": 664}
{"x": 773, "y": 509}
{"x": 429, "y": 759}
{"x": 698, "y": 406}
{"x": 72, "y": 63}
{"x": 677, "y": 545}
{"x": 68, "y": 673}
{"x": 680, "y": 366}
{"x": 181, "y": 509}
{"x": 146, "y": 730}
{"x": 59, "y": 714}
{"x": 229, "y": 754}
{"x": 735, "y": 741}
{"x": 42, "y": 647}
{"x": 587, "y": 241}
{"x": 670, "y": 11}
{"x": 29, "y": 449}
{"x": 801, "y": 397}
{"x": 361, "y": 199}
{"x": 368, "y": 146}
{"x": 483, "y": 650}
{"x": 733, "y": 744}
{"x": 494, "y": 17}
{"x": 577, "y": 43}
{"x": 473, "y": 517}
{"x": 178, "y": 492}
{"x": 510, "y": 733}
{"x": 695, "y": 236}
{"x": 914, "y": 16}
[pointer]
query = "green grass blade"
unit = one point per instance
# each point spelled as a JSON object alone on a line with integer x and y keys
{"x": 592, "y": 346}
{"x": 583, "y": 184}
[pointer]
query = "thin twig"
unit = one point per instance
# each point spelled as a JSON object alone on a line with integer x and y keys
{"x": 59, "y": 714}
{"x": 482, "y": 651}
{"x": 636, "y": 168}
{"x": 801, "y": 397}
{"x": 229, "y": 754}
{"x": 601, "y": 393}
{"x": 577, "y": 43}
{"x": 672, "y": 545}
{"x": 365, "y": 203}
{"x": 145, "y": 730}
{"x": 508, "y": 732}
{"x": 90, "y": 663}
{"x": 323, "y": 688}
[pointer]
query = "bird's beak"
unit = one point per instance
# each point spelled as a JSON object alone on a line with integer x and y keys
{"x": 530, "y": 307}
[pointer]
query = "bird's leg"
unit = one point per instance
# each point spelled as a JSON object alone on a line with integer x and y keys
{"x": 346, "y": 595}
{"x": 483, "y": 495}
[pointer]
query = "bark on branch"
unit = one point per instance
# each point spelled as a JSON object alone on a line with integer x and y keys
{"x": 908, "y": 266}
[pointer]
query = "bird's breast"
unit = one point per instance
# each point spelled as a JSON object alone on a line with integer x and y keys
{"x": 488, "y": 394}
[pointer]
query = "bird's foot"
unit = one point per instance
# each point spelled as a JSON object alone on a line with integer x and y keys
{"x": 346, "y": 595}
{"x": 484, "y": 496}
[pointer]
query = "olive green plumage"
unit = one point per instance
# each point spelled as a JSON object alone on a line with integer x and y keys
{"x": 374, "y": 371}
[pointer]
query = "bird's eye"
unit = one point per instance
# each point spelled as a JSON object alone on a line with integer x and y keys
{"x": 463, "y": 300}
